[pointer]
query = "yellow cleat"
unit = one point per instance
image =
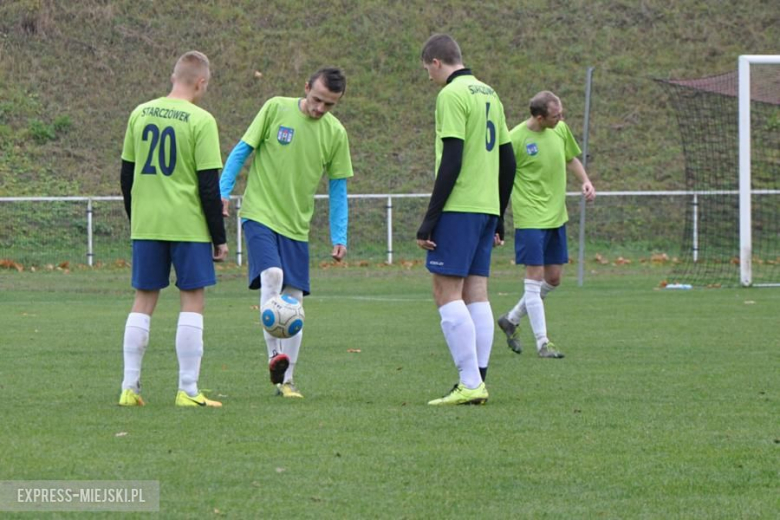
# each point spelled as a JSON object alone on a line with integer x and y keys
{"x": 182, "y": 399}
{"x": 548, "y": 351}
{"x": 462, "y": 395}
{"x": 130, "y": 398}
{"x": 288, "y": 390}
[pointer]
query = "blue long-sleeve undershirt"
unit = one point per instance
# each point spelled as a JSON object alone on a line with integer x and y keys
{"x": 233, "y": 165}
{"x": 337, "y": 190}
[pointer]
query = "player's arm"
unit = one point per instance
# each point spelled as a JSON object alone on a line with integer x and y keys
{"x": 506, "y": 180}
{"x": 126, "y": 181}
{"x": 449, "y": 169}
{"x": 339, "y": 217}
{"x": 208, "y": 190}
{"x": 575, "y": 166}
{"x": 233, "y": 165}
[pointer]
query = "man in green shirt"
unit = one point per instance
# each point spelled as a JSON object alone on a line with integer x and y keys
{"x": 545, "y": 150}
{"x": 474, "y": 173}
{"x": 170, "y": 184}
{"x": 295, "y": 141}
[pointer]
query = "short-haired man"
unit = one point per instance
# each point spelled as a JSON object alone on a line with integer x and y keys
{"x": 545, "y": 150}
{"x": 474, "y": 173}
{"x": 170, "y": 184}
{"x": 295, "y": 141}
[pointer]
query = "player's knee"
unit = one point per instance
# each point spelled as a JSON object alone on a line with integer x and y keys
{"x": 272, "y": 279}
{"x": 294, "y": 292}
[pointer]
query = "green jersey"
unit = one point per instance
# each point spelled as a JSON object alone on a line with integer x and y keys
{"x": 170, "y": 140}
{"x": 470, "y": 110}
{"x": 292, "y": 151}
{"x": 539, "y": 193}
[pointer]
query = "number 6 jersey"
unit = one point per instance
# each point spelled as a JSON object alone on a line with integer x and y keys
{"x": 470, "y": 110}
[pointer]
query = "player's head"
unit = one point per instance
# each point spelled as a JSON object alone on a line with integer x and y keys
{"x": 192, "y": 72}
{"x": 440, "y": 54}
{"x": 547, "y": 109}
{"x": 323, "y": 90}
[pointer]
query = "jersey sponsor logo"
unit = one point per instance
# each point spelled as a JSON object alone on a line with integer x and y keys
{"x": 435, "y": 262}
{"x": 285, "y": 135}
{"x": 531, "y": 149}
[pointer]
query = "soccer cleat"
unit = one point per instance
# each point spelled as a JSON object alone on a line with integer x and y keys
{"x": 462, "y": 395}
{"x": 130, "y": 398}
{"x": 288, "y": 390}
{"x": 512, "y": 332}
{"x": 548, "y": 351}
{"x": 182, "y": 399}
{"x": 278, "y": 366}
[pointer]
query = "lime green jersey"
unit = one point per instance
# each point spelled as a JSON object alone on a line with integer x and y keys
{"x": 539, "y": 193}
{"x": 170, "y": 140}
{"x": 292, "y": 151}
{"x": 470, "y": 110}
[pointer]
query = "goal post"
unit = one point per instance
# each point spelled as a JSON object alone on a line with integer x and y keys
{"x": 745, "y": 177}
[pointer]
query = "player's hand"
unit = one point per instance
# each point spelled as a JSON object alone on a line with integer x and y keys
{"x": 225, "y": 207}
{"x": 339, "y": 252}
{"x": 589, "y": 191}
{"x": 497, "y": 240}
{"x": 426, "y": 244}
{"x": 220, "y": 253}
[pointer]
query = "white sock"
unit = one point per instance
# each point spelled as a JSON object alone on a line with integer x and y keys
{"x": 189, "y": 350}
{"x": 461, "y": 339}
{"x": 136, "y": 340}
{"x": 519, "y": 310}
{"x": 535, "y": 307}
{"x": 292, "y": 346}
{"x": 484, "y": 326}
{"x": 546, "y": 289}
{"x": 270, "y": 286}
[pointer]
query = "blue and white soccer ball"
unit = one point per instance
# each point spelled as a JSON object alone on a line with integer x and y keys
{"x": 282, "y": 316}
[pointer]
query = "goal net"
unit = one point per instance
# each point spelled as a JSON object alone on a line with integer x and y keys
{"x": 732, "y": 233}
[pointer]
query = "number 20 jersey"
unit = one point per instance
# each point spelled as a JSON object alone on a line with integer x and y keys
{"x": 170, "y": 140}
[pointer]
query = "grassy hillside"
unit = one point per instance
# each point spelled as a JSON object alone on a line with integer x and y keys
{"x": 70, "y": 73}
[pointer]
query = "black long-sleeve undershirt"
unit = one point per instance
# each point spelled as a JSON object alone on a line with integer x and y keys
{"x": 208, "y": 190}
{"x": 126, "y": 180}
{"x": 449, "y": 169}
{"x": 506, "y": 180}
{"x": 211, "y": 201}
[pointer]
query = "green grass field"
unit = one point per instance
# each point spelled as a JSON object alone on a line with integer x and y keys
{"x": 666, "y": 405}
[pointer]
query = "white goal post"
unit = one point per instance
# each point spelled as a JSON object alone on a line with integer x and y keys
{"x": 745, "y": 184}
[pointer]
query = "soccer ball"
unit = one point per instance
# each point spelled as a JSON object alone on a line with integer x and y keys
{"x": 282, "y": 316}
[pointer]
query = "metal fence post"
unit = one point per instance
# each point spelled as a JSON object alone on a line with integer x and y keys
{"x": 585, "y": 133}
{"x": 389, "y": 230}
{"x": 238, "y": 233}
{"x": 695, "y": 237}
{"x": 90, "y": 253}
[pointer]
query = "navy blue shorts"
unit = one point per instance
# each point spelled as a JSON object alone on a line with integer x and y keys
{"x": 541, "y": 246}
{"x": 464, "y": 243}
{"x": 267, "y": 248}
{"x": 192, "y": 261}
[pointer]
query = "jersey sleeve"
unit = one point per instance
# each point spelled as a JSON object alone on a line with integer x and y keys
{"x": 128, "y": 149}
{"x": 516, "y": 138}
{"x": 570, "y": 144}
{"x": 503, "y": 131}
{"x": 258, "y": 130}
{"x": 450, "y": 115}
{"x": 207, "y": 152}
{"x": 340, "y": 165}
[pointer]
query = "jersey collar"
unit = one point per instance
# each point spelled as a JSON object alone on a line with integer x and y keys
{"x": 458, "y": 73}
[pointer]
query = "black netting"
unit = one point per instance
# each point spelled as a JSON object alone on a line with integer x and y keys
{"x": 707, "y": 113}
